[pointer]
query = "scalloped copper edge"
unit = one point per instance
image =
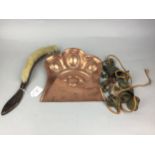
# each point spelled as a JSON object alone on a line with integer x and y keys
{"x": 72, "y": 76}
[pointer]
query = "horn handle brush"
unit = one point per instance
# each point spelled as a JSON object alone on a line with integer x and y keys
{"x": 35, "y": 57}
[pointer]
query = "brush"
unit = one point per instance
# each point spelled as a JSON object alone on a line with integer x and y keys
{"x": 33, "y": 59}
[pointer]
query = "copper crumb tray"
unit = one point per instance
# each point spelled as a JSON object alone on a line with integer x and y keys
{"x": 72, "y": 76}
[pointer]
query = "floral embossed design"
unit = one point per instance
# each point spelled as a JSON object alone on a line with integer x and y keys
{"x": 72, "y": 75}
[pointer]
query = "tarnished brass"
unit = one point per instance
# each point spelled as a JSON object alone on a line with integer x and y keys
{"x": 73, "y": 76}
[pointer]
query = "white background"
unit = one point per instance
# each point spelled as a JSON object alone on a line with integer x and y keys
{"x": 131, "y": 40}
{"x": 75, "y": 9}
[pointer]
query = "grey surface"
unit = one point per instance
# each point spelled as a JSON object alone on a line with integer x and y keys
{"x": 133, "y": 41}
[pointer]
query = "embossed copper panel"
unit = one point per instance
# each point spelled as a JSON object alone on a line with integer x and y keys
{"x": 72, "y": 76}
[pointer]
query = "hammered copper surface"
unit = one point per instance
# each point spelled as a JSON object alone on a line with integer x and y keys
{"x": 72, "y": 76}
